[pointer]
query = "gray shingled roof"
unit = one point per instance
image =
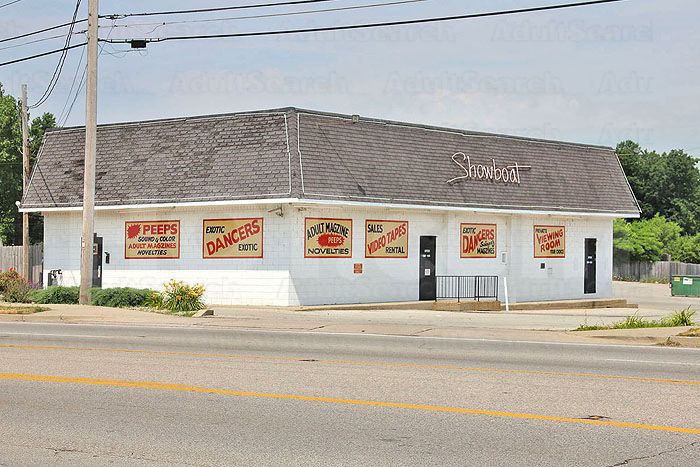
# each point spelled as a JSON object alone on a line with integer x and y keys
{"x": 291, "y": 153}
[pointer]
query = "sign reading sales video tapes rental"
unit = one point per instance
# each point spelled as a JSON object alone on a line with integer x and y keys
{"x": 152, "y": 239}
{"x": 478, "y": 241}
{"x": 386, "y": 239}
{"x": 232, "y": 238}
{"x": 550, "y": 241}
{"x": 327, "y": 238}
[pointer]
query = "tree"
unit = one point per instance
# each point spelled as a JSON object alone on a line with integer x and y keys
{"x": 11, "y": 168}
{"x": 667, "y": 184}
{"x": 644, "y": 240}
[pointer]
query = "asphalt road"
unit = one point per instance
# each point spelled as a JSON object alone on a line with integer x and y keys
{"x": 90, "y": 394}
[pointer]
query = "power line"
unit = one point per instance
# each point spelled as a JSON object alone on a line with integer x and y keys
{"x": 324, "y": 29}
{"x": 10, "y": 3}
{"x": 70, "y": 91}
{"x": 371, "y": 25}
{"x": 39, "y": 31}
{"x": 209, "y": 10}
{"x": 61, "y": 61}
{"x": 157, "y": 13}
{"x": 43, "y": 39}
{"x": 272, "y": 15}
{"x": 63, "y": 119}
{"x": 50, "y": 52}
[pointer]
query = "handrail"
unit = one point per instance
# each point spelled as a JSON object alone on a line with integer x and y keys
{"x": 468, "y": 287}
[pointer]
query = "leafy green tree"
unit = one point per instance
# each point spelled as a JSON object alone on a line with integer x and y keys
{"x": 667, "y": 184}
{"x": 644, "y": 240}
{"x": 11, "y": 168}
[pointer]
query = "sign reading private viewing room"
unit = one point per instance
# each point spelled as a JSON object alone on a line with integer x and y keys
{"x": 478, "y": 241}
{"x": 152, "y": 240}
{"x": 550, "y": 241}
{"x": 386, "y": 239}
{"x": 327, "y": 238}
{"x": 232, "y": 238}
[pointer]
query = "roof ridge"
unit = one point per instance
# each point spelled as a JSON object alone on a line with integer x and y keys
{"x": 293, "y": 110}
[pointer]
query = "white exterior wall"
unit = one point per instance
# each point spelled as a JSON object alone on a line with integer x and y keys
{"x": 227, "y": 281}
{"x": 284, "y": 277}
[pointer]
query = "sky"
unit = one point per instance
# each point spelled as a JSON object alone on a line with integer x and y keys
{"x": 596, "y": 74}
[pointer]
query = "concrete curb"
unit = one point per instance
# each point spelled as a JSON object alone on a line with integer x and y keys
{"x": 203, "y": 313}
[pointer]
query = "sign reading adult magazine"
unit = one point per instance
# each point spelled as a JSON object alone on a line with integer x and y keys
{"x": 152, "y": 239}
{"x": 327, "y": 238}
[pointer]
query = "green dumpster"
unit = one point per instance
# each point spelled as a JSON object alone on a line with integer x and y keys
{"x": 685, "y": 286}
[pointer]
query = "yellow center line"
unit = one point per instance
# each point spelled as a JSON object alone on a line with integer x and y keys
{"x": 643, "y": 379}
{"x": 332, "y": 400}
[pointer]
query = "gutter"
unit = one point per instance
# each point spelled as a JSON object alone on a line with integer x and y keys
{"x": 303, "y": 202}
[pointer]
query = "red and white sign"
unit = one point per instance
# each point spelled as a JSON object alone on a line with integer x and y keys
{"x": 386, "y": 239}
{"x": 152, "y": 239}
{"x": 232, "y": 238}
{"x": 327, "y": 238}
{"x": 478, "y": 241}
{"x": 550, "y": 241}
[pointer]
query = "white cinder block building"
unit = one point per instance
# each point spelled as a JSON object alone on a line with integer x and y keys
{"x": 295, "y": 207}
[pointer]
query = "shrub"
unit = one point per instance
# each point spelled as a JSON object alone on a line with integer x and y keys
{"x": 180, "y": 297}
{"x": 18, "y": 292}
{"x": 9, "y": 278}
{"x": 57, "y": 294}
{"x": 120, "y": 297}
{"x": 154, "y": 300}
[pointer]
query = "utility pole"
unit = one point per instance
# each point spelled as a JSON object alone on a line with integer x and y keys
{"x": 25, "y": 182}
{"x": 86, "y": 254}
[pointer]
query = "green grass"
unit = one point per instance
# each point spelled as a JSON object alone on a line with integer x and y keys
{"x": 679, "y": 318}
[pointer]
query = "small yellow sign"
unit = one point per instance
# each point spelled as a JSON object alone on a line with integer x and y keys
{"x": 550, "y": 241}
{"x": 478, "y": 241}
{"x": 232, "y": 238}
{"x": 327, "y": 238}
{"x": 386, "y": 239}
{"x": 152, "y": 239}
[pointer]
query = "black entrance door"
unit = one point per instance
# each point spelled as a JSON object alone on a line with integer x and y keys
{"x": 590, "y": 267}
{"x": 426, "y": 269}
{"x": 97, "y": 261}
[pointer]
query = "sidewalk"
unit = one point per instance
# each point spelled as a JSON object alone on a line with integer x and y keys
{"x": 541, "y": 325}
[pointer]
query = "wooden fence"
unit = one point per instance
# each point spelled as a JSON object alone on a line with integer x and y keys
{"x": 660, "y": 270}
{"x": 11, "y": 257}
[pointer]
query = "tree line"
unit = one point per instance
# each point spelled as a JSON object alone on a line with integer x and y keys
{"x": 11, "y": 168}
{"x": 667, "y": 186}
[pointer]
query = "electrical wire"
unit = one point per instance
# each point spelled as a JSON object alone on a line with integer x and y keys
{"x": 43, "y": 54}
{"x": 10, "y": 3}
{"x": 273, "y": 15}
{"x": 209, "y": 10}
{"x": 371, "y": 25}
{"x": 70, "y": 91}
{"x": 43, "y": 39}
{"x": 39, "y": 31}
{"x": 324, "y": 29}
{"x": 157, "y": 13}
{"x": 64, "y": 118}
{"x": 61, "y": 61}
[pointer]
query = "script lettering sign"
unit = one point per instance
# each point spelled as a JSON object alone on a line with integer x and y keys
{"x": 491, "y": 172}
